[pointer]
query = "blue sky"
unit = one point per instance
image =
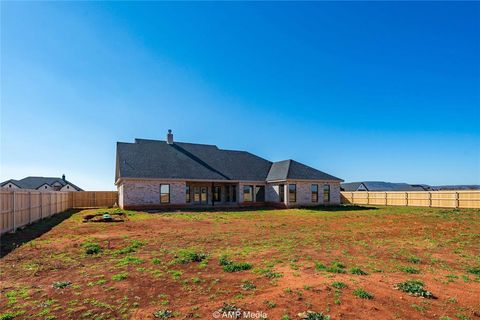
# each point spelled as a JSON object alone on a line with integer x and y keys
{"x": 364, "y": 91}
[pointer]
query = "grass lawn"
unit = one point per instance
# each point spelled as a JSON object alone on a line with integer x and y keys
{"x": 345, "y": 262}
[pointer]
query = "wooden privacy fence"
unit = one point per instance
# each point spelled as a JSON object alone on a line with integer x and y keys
{"x": 19, "y": 208}
{"x": 439, "y": 199}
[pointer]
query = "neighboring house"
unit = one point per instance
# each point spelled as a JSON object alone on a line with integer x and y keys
{"x": 155, "y": 174}
{"x": 41, "y": 183}
{"x": 381, "y": 186}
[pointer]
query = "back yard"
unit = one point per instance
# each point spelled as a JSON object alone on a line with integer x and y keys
{"x": 345, "y": 262}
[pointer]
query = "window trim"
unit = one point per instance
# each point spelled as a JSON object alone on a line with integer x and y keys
{"x": 162, "y": 193}
{"x": 215, "y": 194}
{"x": 314, "y": 194}
{"x": 188, "y": 197}
{"x": 292, "y": 193}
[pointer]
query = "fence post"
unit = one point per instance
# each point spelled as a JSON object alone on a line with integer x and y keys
{"x": 368, "y": 197}
{"x": 353, "y": 201}
{"x": 406, "y": 199}
{"x": 429, "y": 199}
{"x": 386, "y": 201}
{"x": 457, "y": 200}
{"x": 14, "y": 213}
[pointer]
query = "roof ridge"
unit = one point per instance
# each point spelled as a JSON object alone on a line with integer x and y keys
{"x": 289, "y": 166}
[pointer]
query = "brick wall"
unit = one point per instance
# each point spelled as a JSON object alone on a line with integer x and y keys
{"x": 142, "y": 193}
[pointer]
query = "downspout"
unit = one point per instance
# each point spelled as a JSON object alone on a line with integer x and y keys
{"x": 213, "y": 197}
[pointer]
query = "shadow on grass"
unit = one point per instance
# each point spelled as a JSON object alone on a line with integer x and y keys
{"x": 11, "y": 241}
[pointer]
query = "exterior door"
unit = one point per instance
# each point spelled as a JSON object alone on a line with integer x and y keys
{"x": 281, "y": 193}
{"x": 203, "y": 195}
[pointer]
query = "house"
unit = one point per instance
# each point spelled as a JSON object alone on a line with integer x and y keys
{"x": 41, "y": 183}
{"x": 380, "y": 186}
{"x": 156, "y": 174}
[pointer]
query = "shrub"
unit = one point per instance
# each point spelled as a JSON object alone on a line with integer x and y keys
{"x": 61, "y": 284}
{"x": 189, "y": 255}
{"x": 311, "y": 315}
{"x": 358, "y": 271}
{"x": 414, "y": 288}
{"x": 362, "y": 294}
{"x": 163, "y": 314}
{"x": 120, "y": 276}
{"x": 339, "y": 285}
{"x": 409, "y": 269}
{"x": 91, "y": 248}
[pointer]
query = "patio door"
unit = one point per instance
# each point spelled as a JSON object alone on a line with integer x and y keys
{"x": 203, "y": 195}
{"x": 259, "y": 193}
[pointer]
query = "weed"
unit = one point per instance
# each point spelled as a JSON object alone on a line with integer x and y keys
{"x": 362, "y": 294}
{"x": 409, "y": 269}
{"x": 163, "y": 314}
{"x": 129, "y": 260}
{"x": 91, "y": 248}
{"x": 358, "y": 271}
{"x": 61, "y": 284}
{"x": 414, "y": 259}
{"x": 311, "y": 315}
{"x": 474, "y": 270}
{"x": 335, "y": 267}
{"x": 120, "y": 276}
{"x": 10, "y": 315}
{"x": 176, "y": 274}
{"x": 136, "y": 244}
{"x": 339, "y": 285}
{"x": 445, "y": 318}
{"x": 270, "y": 304}
{"x": 415, "y": 288}
{"x": 286, "y": 317}
{"x": 269, "y": 273}
{"x": 156, "y": 261}
{"x": 189, "y": 255}
{"x": 230, "y": 266}
{"x": 248, "y": 285}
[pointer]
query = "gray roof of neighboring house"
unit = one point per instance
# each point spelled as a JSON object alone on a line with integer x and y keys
{"x": 37, "y": 182}
{"x": 180, "y": 160}
{"x": 291, "y": 169}
{"x": 380, "y": 186}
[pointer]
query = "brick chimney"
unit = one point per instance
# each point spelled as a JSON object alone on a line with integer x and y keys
{"x": 170, "y": 137}
{"x": 63, "y": 177}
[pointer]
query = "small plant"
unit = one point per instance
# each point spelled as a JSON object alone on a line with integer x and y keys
{"x": 414, "y": 288}
{"x": 230, "y": 309}
{"x": 188, "y": 255}
{"x": 120, "y": 276}
{"x": 163, "y": 314}
{"x": 176, "y": 274}
{"x": 286, "y": 317}
{"x": 129, "y": 260}
{"x": 248, "y": 285}
{"x": 91, "y": 248}
{"x": 8, "y": 316}
{"x": 339, "y": 285}
{"x": 230, "y": 266}
{"x": 269, "y": 273}
{"x": 409, "y": 269}
{"x": 136, "y": 244}
{"x": 445, "y": 318}
{"x": 311, "y": 315}
{"x": 335, "y": 267}
{"x": 474, "y": 270}
{"x": 156, "y": 261}
{"x": 270, "y": 304}
{"x": 414, "y": 259}
{"x": 358, "y": 271}
{"x": 61, "y": 284}
{"x": 362, "y": 294}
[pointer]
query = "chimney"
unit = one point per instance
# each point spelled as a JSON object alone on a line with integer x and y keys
{"x": 170, "y": 136}
{"x": 63, "y": 177}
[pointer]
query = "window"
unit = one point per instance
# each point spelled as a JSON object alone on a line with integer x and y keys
{"x": 204, "y": 195}
{"x": 45, "y": 187}
{"x": 187, "y": 194}
{"x": 281, "y": 192}
{"x": 196, "y": 194}
{"x": 234, "y": 193}
{"x": 164, "y": 193}
{"x": 259, "y": 193}
{"x": 314, "y": 192}
{"x": 227, "y": 193}
{"x": 247, "y": 193}
{"x": 292, "y": 193}
{"x": 217, "y": 194}
{"x": 326, "y": 193}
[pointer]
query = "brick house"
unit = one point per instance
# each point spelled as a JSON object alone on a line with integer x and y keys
{"x": 41, "y": 183}
{"x": 155, "y": 174}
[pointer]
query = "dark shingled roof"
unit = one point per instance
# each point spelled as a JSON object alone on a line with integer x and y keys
{"x": 291, "y": 169}
{"x": 37, "y": 182}
{"x": 380, "y": 186}
{"x": 180, "y": 160}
